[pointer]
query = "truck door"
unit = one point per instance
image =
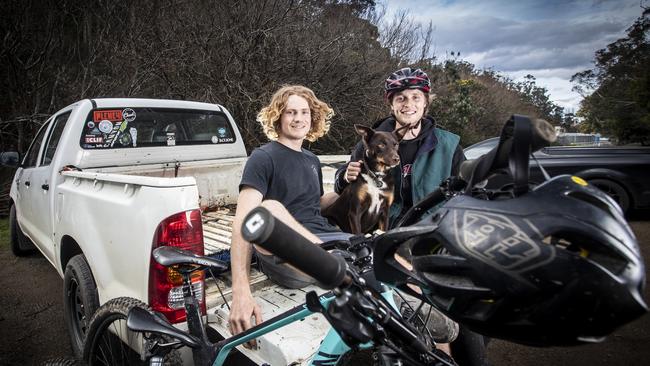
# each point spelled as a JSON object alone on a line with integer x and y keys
{"x": 24, "y": 187}
{"x": 41, "y": 199}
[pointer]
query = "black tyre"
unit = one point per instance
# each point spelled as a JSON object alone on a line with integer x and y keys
{"x": 470, "y": 349}
{"x": 614, "y": 190}
{"x": 20, "y": 244}
{"x": 80, "y": 300}
{"x": 110, "y": 342}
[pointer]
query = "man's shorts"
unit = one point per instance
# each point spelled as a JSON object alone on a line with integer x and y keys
{"x": 280, "y": 273}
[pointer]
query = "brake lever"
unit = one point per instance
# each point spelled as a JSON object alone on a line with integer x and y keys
{"x": 352, "y": 329}
{"x": 449, "y": 188}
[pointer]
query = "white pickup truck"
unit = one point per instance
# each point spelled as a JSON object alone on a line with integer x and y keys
{"x": 106, "y": 181}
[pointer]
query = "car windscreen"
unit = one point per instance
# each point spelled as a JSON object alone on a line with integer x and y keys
{"x": 479, "y": 149}
{"x": 131, "y": 127}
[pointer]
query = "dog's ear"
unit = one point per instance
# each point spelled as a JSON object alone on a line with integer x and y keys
{"x": 365, "y": 132}
{"x": 401, "y": 132}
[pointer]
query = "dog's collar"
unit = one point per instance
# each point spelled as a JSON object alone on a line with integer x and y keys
{"x": 376, "y": 176}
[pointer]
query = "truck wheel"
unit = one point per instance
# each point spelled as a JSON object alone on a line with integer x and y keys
{"x": 614, "y": 190}
{"x": 108, "y": 338}
{"x": 80, "y": 300}
{"x": 20, "y": 244}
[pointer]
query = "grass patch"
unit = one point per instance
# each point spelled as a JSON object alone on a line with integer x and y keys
{"x": 4, "y": 232}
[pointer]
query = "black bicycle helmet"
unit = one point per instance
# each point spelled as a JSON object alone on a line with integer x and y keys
{"x": 406, "y": 78}
{"x": 556, "y": 266}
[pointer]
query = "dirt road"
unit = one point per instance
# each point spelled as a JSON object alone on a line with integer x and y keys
{"x": 31, "y": 303}
{"x": 32, "y": 329}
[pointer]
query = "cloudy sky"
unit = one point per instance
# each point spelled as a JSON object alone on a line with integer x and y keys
{"x": 550, "y": 39}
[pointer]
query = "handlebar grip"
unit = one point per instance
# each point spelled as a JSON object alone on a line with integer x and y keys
{"x": 262, "y": 228}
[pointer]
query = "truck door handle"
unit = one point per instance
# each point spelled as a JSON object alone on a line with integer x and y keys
{"x": 27, "y": 183}
{"x": 45, "y": 187}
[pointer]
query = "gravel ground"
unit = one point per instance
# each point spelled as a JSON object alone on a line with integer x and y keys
{"x": 32, "y": 328}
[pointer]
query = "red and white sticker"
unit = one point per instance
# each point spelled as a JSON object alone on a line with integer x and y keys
{"x": 113, "y": 115}
{"x": 94, "y": 139}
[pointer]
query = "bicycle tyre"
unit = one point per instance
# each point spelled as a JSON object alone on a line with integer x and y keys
{"x": 102, "y": 346}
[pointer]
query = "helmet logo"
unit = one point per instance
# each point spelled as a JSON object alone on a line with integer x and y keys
{"x": 498, "y": 241}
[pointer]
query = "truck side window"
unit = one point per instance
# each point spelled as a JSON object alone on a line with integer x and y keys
{"x": 55, "y": 136}
{"x": 32, "y": 153}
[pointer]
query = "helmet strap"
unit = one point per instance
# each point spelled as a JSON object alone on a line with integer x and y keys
{"x": 411, "y": 128}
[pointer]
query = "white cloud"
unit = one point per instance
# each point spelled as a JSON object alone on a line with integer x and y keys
{"x": 549, "y": 39}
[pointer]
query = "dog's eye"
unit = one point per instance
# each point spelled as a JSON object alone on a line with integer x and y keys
{"x": 381, "y": 146}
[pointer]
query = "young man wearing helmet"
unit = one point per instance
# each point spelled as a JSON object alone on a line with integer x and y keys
{"x": 428, "y": 155}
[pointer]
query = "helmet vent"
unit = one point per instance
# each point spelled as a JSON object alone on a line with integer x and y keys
{"x": 579, "y": 245}
{"x": 557, "y": 242}
{"x": 592, "y": 200}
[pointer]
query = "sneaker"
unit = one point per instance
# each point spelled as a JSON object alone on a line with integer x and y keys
{"x": 428, "y": 320}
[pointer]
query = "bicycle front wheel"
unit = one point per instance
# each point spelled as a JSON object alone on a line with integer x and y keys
{"x": 109, "y": 341}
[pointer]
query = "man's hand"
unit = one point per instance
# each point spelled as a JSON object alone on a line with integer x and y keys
{"x": 242, "y": 309}
{"x": 353, "y": 170}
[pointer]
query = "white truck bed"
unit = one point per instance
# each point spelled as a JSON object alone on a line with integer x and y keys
{"x": 294, "y": 344}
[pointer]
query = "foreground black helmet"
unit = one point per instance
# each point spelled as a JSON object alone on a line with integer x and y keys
{"x": 406, "y": 78}
{"x": 555, "y": 266}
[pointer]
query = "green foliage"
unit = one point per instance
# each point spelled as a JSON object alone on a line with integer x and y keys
{"x": 475, "y": 103}
{"x": 538, "y": 96}
{"x": 619, "y": 105}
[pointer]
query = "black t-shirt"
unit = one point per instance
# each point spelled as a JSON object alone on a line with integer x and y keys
{"x": 408, "y": 150}
{"x": 291, "y": 177}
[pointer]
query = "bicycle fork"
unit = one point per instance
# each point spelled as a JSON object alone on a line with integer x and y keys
{"x": 202, "y": 355}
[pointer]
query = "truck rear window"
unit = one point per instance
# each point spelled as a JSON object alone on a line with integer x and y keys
{"x": 118, "y": 128}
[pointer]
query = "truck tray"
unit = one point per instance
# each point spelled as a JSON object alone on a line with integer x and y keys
{"x": 294, "y": 344}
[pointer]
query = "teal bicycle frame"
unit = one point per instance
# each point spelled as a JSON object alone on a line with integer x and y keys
{"x": 331, "y": 349}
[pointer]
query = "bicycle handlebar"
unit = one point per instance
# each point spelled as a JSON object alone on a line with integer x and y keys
{"x": 260, "y": 227}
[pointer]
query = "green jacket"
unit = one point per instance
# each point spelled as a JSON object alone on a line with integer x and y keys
{"x": 432, "y": 165}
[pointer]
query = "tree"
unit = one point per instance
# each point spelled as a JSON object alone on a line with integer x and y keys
{"x": 538, "y": 96}
{"x": 619, "y": 103}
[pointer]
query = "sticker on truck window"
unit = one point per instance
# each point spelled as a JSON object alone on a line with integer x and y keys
{"x": 92, "y": 139}
{"x": 108, "y": 115}
{"x": 128, "y": 114}
{"x": 130, "y": 127}
{"x": 118, "y": 135}
{"x": 171, "y": 139}
{"x": 134, "y": 136}
{"x": 105, "y": 126}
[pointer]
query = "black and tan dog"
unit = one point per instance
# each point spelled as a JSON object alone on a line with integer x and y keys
{"x": 363, "y": 205}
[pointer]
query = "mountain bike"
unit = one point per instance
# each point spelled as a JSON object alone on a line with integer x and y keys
{"x": 125, "y": 331}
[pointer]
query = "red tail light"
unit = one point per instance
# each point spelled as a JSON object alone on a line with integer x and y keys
{"x": 183, "y": 230}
